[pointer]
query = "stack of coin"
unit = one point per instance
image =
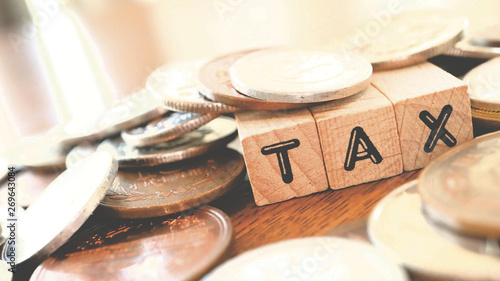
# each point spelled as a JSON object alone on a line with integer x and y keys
{"x": 484, "y": 91}
{"x": 446, "y": 224}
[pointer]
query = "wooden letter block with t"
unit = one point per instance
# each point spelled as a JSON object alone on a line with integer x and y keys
{"x": 359, "y": 138}
{"x": 432, "y": 111}
{"x": 282, "y": 154}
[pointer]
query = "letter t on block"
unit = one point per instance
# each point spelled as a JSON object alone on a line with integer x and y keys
{"x": 282, "y": 154}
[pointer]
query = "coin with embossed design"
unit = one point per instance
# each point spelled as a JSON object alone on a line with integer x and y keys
{"x": 178, "y": 247}
{"x": 298, "y": 75}
{"x": 312, "y": 258}
{"x": 460, "y": 188}
{"x": 215, "y": 84}
{"x": 407, "y": 38}
{"x": 166, "y": 128}
{"x": 484, "y": 86}
{"x": 62, "y": 208}
{"x": 167, "y": 189}
{"x": 398, "y": 228}
{"x": 210, "y": 136}
{"x": 177, "y": 83}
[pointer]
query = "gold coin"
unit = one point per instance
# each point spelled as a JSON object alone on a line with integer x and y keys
{"x": 398, "y": 228}
{"x": 177, "y": 84}
{"x": 62, "y": 208}
{"x": 169, "y": 189}
{"x": 407, "y": 38}
{"x": 178, "y": 247}
{"x": 295, "y": 75}
{"x": 215, "y": 84}
{"x": 166, "y": 128}
{"x": 215, "y": 134}
{"x": 312, "y": 258}
{"x": 460, "y": 188}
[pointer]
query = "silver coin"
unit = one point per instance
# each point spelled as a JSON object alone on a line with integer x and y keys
{"x": 300, "y": 75}
{"x": 79, "y": 152}
{"x": 5, "y": 274}
{"x": 75, "y": 131}
{"x": 166, "y": 128}
{"x": 466, "y": 48}
{"x": 398, "y": 228}
{"x": 407, "y": 38}
{"x": 177, "y": 83}
{"x": 313, "y": 258}
{"x": 130, "y": 112}
{"x": 37, "y": 152}
{"x": 215, "y": 134}
{"x": 3, "y": 169}
{"x": 63, "y": 207}
{"x": 484, "y": 85}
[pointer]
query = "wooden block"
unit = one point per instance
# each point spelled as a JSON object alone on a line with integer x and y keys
{"x": 282, "y": 154}
{"x": 359, "y": 138}
{"x": 432, "y": 111}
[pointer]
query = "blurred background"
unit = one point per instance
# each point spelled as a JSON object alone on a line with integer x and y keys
{"x": 71, "y": 59}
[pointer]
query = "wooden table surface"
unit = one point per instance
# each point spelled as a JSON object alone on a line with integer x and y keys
{"x": 312, "y": 215}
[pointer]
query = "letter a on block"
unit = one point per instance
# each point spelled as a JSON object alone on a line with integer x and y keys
{"x": 359, "y": 138}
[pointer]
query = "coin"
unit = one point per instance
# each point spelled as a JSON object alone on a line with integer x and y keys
{"x": 460, "y": 188}
{"x": 313, "y": 258}
{"x": 75, "y": 131}
{"x": 407, "y": 38}
{"x": 29, "y": 184}
{"x": 3, "y": 169}
{"x": 136, "y": 109}
{"x": 168, "y": 189}
{"x": 37, "y": 152}
{"x": 210, "y": 136}
{"x": 63, "y": 207}
{"x": 176, "y": 82}
{"x": 397, "y": 227}
{"x": 466, "y": 48}
{"x": 179, "y": 247}
{"x": 79, "y": 152}
{"x": 215, "y": 84}
{"x": 166, "y": 128}
{"x": 5, "y": 274}
{"x": 489, "y": 36}
{"x": 295, "y": 75}
{"x": 484, "y": 86}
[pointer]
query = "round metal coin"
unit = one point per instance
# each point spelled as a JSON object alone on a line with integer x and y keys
{"x": 398, "y": 228}
{"x": 28, "y": 184}
{"x": 5, "y": 274}
{"x": 79, "y": 152}
{"x": 460, "y": 188}
{"x": 467, "y": 49}
{"x": 177, "y": 83}
{"x": 63, "y": 207}
{"x": 314, "y": 258}
{"x": 212, "y": 135}
{"x": 484, "y": 86}
{"x": 130, "y": 112}
{"x": 180, "y": 247}
{"x": 407, "y": 38}
{"x": 215, "y": 84}
{"x": 37, "y": 152}
{"x": 166, "y": 128}
{"x": 295, "y": 75}
{"x": 168, "y": 189}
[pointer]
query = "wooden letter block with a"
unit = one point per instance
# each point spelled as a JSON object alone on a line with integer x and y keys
{"x": 359, "y": 139}
{"x": 282, "y": 154}
{"x": 432, "y": 111}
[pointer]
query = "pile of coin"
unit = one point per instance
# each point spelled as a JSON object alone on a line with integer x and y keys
{"x": 148, "y": 166}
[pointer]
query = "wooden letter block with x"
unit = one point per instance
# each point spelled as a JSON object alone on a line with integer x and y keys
{"x": 432, "y": 111}
{"x": 359, "y": 138}
{"x": 282, "y": 154}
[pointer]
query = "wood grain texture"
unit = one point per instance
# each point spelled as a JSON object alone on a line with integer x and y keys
{"x": 313, "y": 215}
{"x": 425, "y": 87}
{"x": 260, "y": 129}
{"x": 338, "y": 121}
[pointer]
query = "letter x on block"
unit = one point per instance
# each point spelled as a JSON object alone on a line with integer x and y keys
{"x": 438, "y": 130}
